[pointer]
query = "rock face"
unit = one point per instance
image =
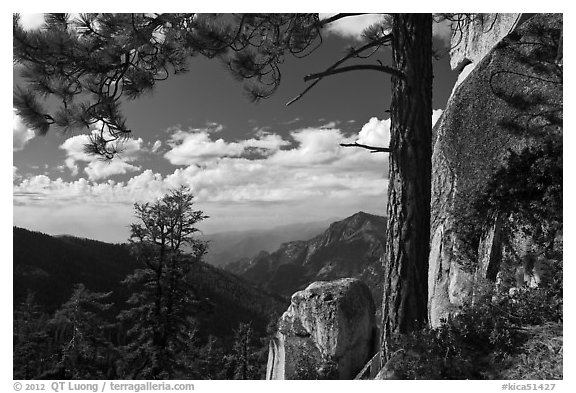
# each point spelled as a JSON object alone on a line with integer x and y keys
{"x": 482, "y": 34}
{"x": 474, "y": 41}
{"x": 495, "y": 109}
{"x": 328, "y": 332}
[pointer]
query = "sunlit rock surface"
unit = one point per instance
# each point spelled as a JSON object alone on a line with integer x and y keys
{"x": 328, "y": 332}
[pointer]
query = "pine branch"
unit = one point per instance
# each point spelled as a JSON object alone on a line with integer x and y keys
{"x": 373, "y": 149}
{"x": 353, "y": 53}
{"x": 381, "y": 68}
{"x": 335, "y": 18}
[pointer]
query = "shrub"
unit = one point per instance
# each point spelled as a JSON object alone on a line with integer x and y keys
{"x": 540, "y": 356}
{"x": 497, "y": 337}
{"x": 306, "y": 367}
{"x": 540, "y": 305}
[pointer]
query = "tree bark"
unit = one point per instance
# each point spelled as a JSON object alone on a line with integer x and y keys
{"x": 408, "y": 231}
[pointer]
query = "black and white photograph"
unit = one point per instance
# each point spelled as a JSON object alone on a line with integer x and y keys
{"x": 286, "y": 196}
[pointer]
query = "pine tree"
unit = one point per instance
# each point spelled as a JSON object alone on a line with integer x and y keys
{"x": 211, "y": 360}
{"x": 31, "y": 351}
{"x": 160, "y": 321}
{"x": 243, "y": 360}
{"x": 84, "y": 350}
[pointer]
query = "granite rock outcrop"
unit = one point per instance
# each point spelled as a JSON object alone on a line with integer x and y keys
{"x": 328, "y": 332}
{"x": 513, "y": 95}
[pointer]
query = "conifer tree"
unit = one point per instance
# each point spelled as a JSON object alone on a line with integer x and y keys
{"x": 160, "y": 320}
{"x": 31, "y": 351}
{"x": 83, "y": 348}
{"x": 211, "y": 360}
{"x": 243, "y": 359}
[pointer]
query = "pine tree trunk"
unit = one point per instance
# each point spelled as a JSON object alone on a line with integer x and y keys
{"x": 408, "y": 232}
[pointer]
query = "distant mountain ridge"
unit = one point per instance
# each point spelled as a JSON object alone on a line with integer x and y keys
{"x": 49, "y": 266}
{"x": 352, "y": 247}
{"x": 227, "y": 247}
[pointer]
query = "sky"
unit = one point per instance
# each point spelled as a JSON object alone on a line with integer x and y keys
{"x": 250, "y": 166}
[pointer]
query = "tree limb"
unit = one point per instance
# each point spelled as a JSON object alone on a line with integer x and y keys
{"x": 358, "y": 67}
{"x": 373, "y": 149}
{"x": 335, "y": 18}
{"x": 353, "y": 53}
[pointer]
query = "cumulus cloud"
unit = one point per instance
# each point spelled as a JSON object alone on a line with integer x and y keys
{"x": 157, "y": 145}
{"x": 375, "y": 133}
{"x": 314, "y": 146}
{"x": 15, "y": 175}
{"x": 191, "y": 147}
{"x": 104, "y": 169}
{"x": 306, "y": 173}
{"x": 330, "y": 124}
{"x": 21, "y": 134}
{"x": 96, "y": 168}
{"x": 214, "y": 127}
{"x": 354, "y": 26}
{"x": 250, "y": 192}
{"x": 46, "y": 191}
{"x": 31, "y": 21}
{"x": 197, "y": 146}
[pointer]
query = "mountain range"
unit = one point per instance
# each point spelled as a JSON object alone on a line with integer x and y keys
{"x": 247, "y": 289}
{"x": 227, "y": 247}
{"x": 352, "y": 247}
{"x": 49, "y": 266}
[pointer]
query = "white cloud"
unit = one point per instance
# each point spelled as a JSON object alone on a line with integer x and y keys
{"x": 375, "y": 133}
{"x": 214, "y": 127}
{"x": 353, "y": 26}
{"x": 70, "y": 163}
{"x": 271, "y": 142}
{"x": 31, "y": 21}
{"x": 197, "y": 147}
{"x": 74, "y": 147}
{"x": 96, "y": 168}
{"x": 236, "y": 192}
{"x": 15, "y": 176}
{"x": 21, "y": 134}
{"x": 191, "y": 147}
{"x": 100, "y": 169}
{"x": 315, "y": 146}
{"x": 330, "y": 124}
{"x": 156, "y": 146}
{"x": 306, "y": 176}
